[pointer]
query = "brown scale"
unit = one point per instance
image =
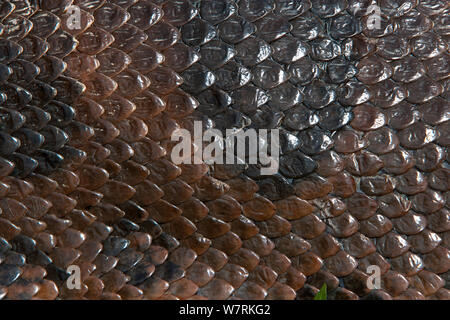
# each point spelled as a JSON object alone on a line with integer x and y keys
{"x": 141, "y": 227}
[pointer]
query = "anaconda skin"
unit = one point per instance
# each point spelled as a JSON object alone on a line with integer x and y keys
{"x": 86, "y": 176}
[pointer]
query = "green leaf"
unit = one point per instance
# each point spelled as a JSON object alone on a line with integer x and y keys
{"x": 322, "y": 294}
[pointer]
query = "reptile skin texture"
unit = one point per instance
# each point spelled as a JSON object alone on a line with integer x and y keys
{"x": 86, "y": 177}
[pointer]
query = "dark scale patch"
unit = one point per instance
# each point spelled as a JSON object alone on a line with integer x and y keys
{"x": 86, "y": 178}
